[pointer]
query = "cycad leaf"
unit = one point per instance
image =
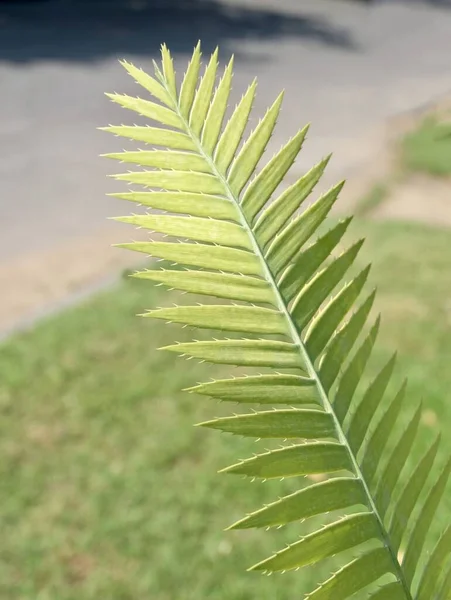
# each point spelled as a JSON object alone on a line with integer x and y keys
{"x": 321, "y": 498}
{"x": 342, "y": 343}
{"x": 196, "y": 205}
{"x": 218, "y": 258}
{"x": 304, "y": 459}
{"x": 213, "y": 231}
{"x": 186, "y": 181}
{"x": 149, "y": 83}
{"x": 353, "y": 373}
{"x": 161, "y": 159}
{"x": 247, "y": 319}
{"x": 264, "y": 184}
{"x": 153, "y": 111}
{"x": 445, "y": 590}
{"x": 278, "y": 212}
{"x": 307, "y": 262}
{"x": 189, "y": 83}
{"x": 325, "y": 324}
{"x": 221, "y": 285}
{"x": 395, "y": 463}
{"x": 244, "y": 164}
{"x": 389, "y": 591}
{"x": 156, "y": 136}
{"x": 293, "y": 236}
{"x": 378, "y": 440}
{"x": 337, "y": 537}
{"x": 418, "y": 536}
{"x": 168, "y": 70}
{"x": 263, "y": 389}
{"x": 284, "y": 424}
{"x": 216, "y": 112}
{"x": 254, "y": 251}
{"x": 230, "y": 139}
{"x": 410, "y": 494}
{"x": 202, "y": 98}
{"x": 364, "y": 413}
{"x": 355, "y": 576}
{"x": 435, "y": 567}
{"x": 251, "y": 353}
{"x": 316, "y": 292}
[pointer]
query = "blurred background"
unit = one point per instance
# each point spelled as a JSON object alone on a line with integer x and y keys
{"x": 107, "y": 489}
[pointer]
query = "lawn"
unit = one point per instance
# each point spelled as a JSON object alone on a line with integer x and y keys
{"x": 428, "y": 147}
{"x": 109, "y": 493}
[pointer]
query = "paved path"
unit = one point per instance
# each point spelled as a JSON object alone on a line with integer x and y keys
{"x": 346, "y": 67}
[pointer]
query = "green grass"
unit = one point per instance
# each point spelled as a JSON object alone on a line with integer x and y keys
{"x": 428, "y": 148}
{"x": 108, "y": 492}
{"x": 370, "y": 201}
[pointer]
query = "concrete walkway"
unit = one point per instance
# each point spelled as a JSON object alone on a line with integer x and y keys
{"x": 346, "y": 67}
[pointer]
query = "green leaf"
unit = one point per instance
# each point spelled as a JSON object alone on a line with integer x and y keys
{"x": 164, "y": 159}
{"x": 395, "y": 464}
{"x": 216, "y": 112}
{"x": 278, "y": 212}
{"x": 321, "y": 498}
{"x": 378, "y": 440}
{"x": 168, "y": 70}
{"x": 265, "y": 183}
{"x": 246, "y": 319}
{"x": 148, "y": 83}
{"x": 306, "y": 263}
{"x": 189, "y": 83}
{"x": 445, "y": 590}
{"x": 423, "y": 523}
{"x": 199, "y": 255}
{"x": 353, "y": 373}
{"x": 389, "y": 591}
{"x": 158, "y": 72}
{"x": 153, "y": 135}
{"x": 409, "y": 497}
{"x": 364, "y": 413}
{"x": 303, "y": 459}
{"x": 255, "y": 253}
{"x": 291, "y": 239}
{"x": 221, "y": 285}
{"x": 231, "y": 137}
{"x": 195, "y": 228}
{"x": 315, "y": 293}
{"x": 264, "y": 389}
{"x": 326, "y": 322}
{"x": 328, "y": 541}
{"x": 251, "y": 353}
{"x": 202, "y": 97}
{"x": 147, "y": 109}
{"x": 244, "y": 164}
{"x": 186, "y": 181}
{"x": 355, "y": 576}
{"x": 196, "y": 205}
{"x": 435, "y": 566}
{"x": 294, "y": 423}
{"x": 342, "y": 343}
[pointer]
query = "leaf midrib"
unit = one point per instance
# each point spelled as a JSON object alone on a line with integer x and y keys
{"x": 296, "y": 338}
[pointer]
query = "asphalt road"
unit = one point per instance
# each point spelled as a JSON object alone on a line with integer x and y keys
{"x": 345, "y": 66}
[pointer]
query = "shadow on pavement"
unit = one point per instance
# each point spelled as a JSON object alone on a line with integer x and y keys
{"x": 81, "y": 30}
{"x": 437, "y": 3}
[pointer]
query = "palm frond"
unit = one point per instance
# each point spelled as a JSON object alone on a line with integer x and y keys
{"x": 241, "y": 244}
